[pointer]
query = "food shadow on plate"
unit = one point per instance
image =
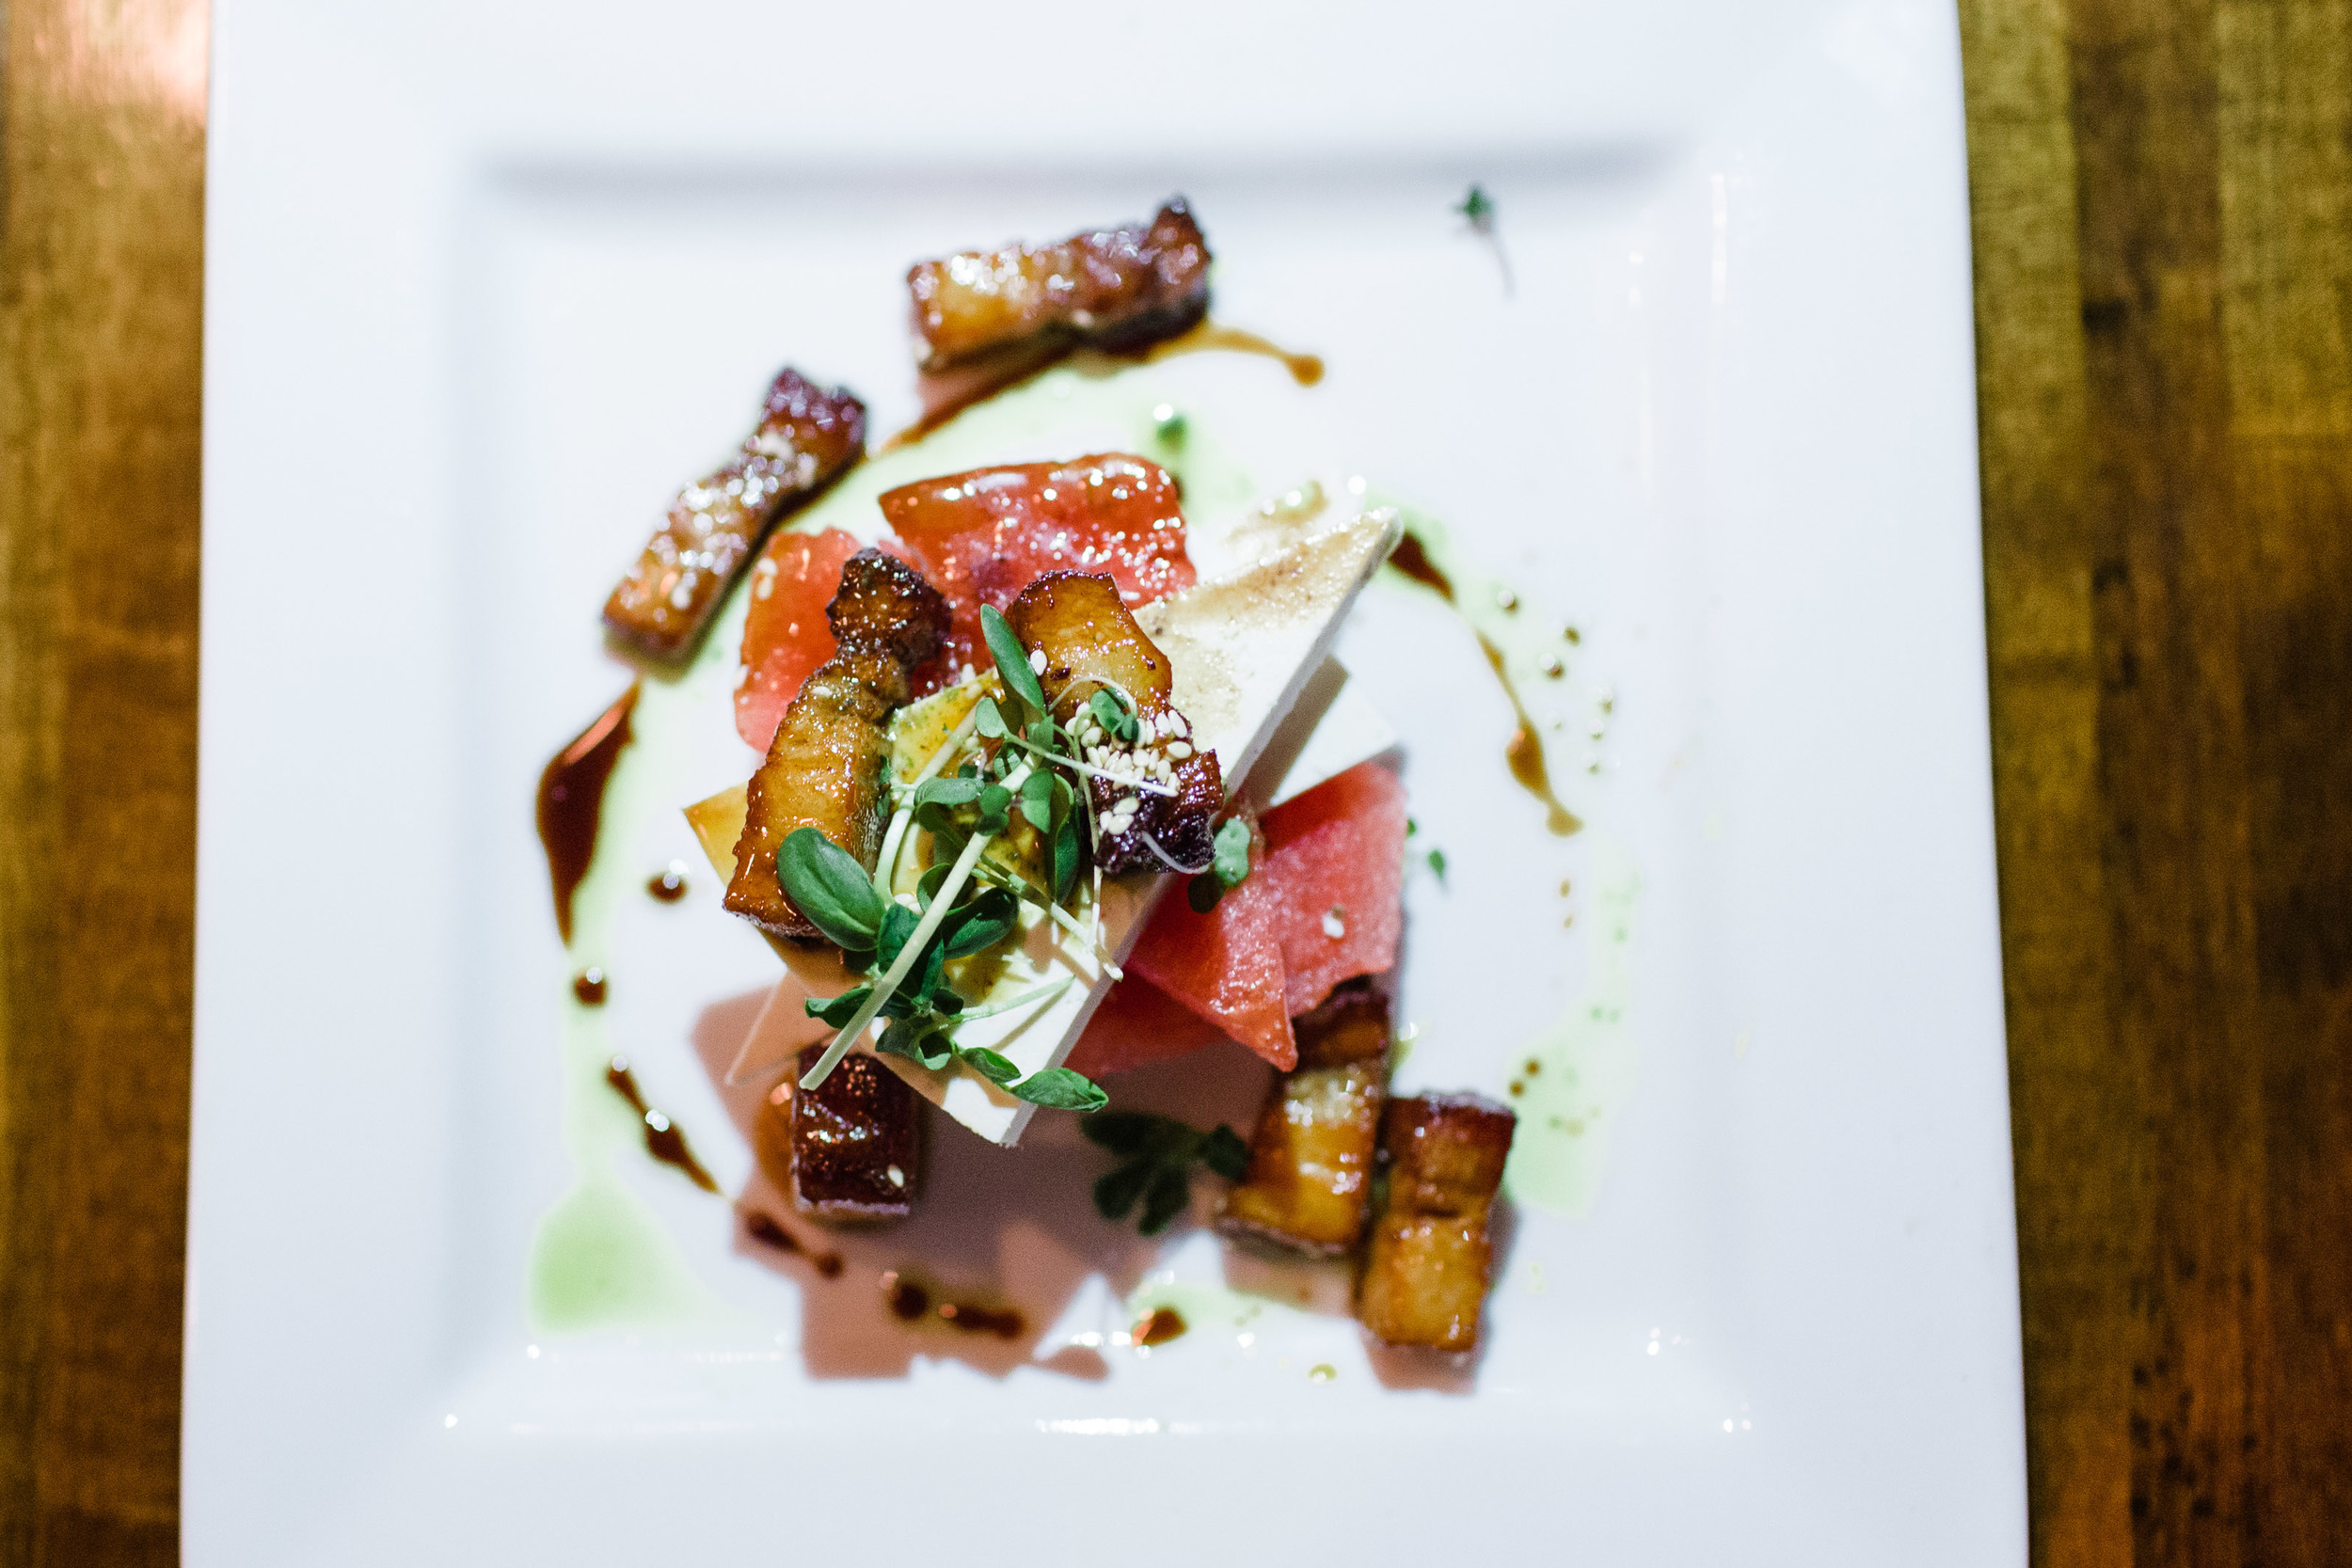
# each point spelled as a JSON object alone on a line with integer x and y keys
{"x": 1000, "y": 1242}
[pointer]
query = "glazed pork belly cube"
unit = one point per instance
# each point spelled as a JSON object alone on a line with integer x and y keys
{"x": 805, "y": 437}
{"x": 1112, "y": 288}
{"x": 846, "y": 1150}
{"x": 1425, "y": 1274}
{"x": 1310, "y": 1160}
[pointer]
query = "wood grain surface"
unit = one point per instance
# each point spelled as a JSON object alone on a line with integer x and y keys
{"x": 2163, "y": 207}
{"x": 2163, "y": 211}
{"x": 101, "y": 146}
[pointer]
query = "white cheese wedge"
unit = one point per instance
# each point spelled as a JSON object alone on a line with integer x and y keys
{"x": 1242, "y": 651}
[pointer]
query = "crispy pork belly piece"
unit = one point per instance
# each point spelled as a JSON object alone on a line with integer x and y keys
{"x": 1112, "y": 288}
{"x": 805, "y": 437}
{"x": 826, "y": 767}
{"x": 1091, "y": 641}
{"x": 1425, "y": 1274}
{"x": 848, "y": 1149}
{"x": 1310, "y": 1160}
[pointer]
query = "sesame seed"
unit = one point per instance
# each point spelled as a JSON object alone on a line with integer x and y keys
{"x": 1334, "y": 923}
{"x": 1178, "y": 749}
{"x": 1037, "y": 661}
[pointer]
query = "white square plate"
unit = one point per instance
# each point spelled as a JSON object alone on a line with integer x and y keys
{"x": 486, "y": 281}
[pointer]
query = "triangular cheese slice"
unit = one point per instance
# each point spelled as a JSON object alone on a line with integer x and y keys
{"x": 1242, "y": 649}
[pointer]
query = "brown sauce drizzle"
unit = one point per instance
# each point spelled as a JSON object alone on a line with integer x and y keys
{"x": 1525, "y": 750}
{"x": 571, "y": 802}
{"x": 951, "y": 392}
{"x": 668, "y": 886}
{"x": 910, "y": 1302}
{"x": 1306, "y": 369}
{"x": 663, "y": 1141}
{"x": 766, "y": 1232}
{"x": 588, "y": 987}
{"x": 1160, "y": 1325}
{"x": 1410, "y": 558}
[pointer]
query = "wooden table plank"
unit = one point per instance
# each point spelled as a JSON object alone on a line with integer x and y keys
{"x": 101, "y": 123}
{"x": 2161, "y": 207}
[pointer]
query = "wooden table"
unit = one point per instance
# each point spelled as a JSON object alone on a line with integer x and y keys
{"x": 2163, "y": 196}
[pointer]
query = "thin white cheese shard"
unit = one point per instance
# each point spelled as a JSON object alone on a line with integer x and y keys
{"x": 1242, "y": 651}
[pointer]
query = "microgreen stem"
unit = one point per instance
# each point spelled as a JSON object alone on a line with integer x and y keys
{"x": 1044, "y": 992}
{"x": 1092, "y": 771}
{"x": 887, "y": 986}
{"x": 886, "y": 864}
{"x": 1017, "y": 885}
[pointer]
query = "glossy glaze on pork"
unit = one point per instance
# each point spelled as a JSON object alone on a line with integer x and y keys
{"x": 1111, "y": 288}
{"x": 1079, "y": 622}
{"x": 1426, "y": 1272}
{"x": 1308, "y": 1186}
{"x": 826, "y": 767}
{"x": 806, "y": 436}
{"x": 848, "y": 1150}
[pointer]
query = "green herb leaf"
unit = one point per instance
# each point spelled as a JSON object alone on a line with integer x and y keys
{"x": 897, "y": 923}
{"x": 1037, "y": 799}
{"x": 957, "y": 790}
{"x": 996, "y": 801}
{"x": 1059, "y": 1088}
{"x": 827, "y": 885}
{"x": 1477, "y": 206}
{"x": 1013, "y": 659}
{"x": 996, "y": 1068}
{"x": 1170, "y": 1194}
{"x": 1124, "y": 1132}
{"x": 1232, "y": 864}
{"x": 981, "y": 924}
{"x": 1117, "y": 719}
{"x": 1067, "y": 845}
{"x": 919, "y": 1039}
{"x": 1436, "y": 863}
{"x": 989, "y": 719}
{"x": 837, "y": 1010}
{"x": 1224, "y": 1153}
{"x": 1116, "y": 1193}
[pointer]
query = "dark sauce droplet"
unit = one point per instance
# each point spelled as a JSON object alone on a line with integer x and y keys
{"x": 910, "y": 1302}
{"x": 571, "y": 802}
{"x": 1160, "y": 1325}
{"x": 589, "y": 987}
{"x": 1413, "y": 561}
{"x": 668, "y": 885}
{"x": 663, "y": 1141}
{"x": 769, "y": 1233}
{"x": 1524, "y": 752}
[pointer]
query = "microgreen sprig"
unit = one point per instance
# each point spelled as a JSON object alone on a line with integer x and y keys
{"x": 1157, "y": 1155}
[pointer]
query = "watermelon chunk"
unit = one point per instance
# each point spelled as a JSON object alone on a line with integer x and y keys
{"x": 786, "y": 635}
{"x": 1334, "y": 862}
{"x": 983, "y": 536}
{"x": 1138, "y": 1023}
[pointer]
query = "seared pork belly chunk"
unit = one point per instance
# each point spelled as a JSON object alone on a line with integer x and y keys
{"x": 1112, "y": 288}
{"x": 827, "y": 766}
{"x": 1309, "y": 1185}
{"x": 848, "y": 1150}
{"x": 1425, "y": 1274}
{"x": 1155, "y": 794}
{"x": 806, "y": 436}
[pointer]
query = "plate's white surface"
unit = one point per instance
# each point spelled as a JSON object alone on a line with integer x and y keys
{"x": 486, "y": 281}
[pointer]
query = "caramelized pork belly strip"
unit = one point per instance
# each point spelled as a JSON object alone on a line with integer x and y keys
{"x": 848, "y": 1149}
{"x": 827, "y": 766}
{"x": 1310, "y": 1180}
{"x": 1425, "y": 1275}
{"x": 1091, "y": 641}
{"x": 805, "y": 437}
{"x": 1112, "y": 288}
